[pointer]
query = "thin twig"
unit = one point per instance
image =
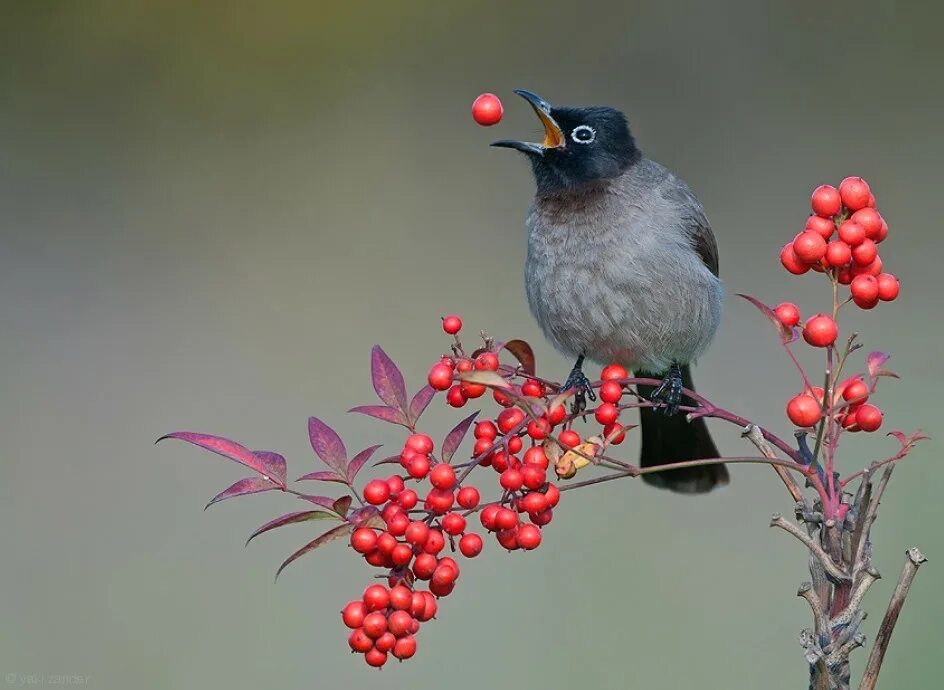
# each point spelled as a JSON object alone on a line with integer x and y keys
{"x": 869, "y": 518}
{"x": 913, "y": 561}
{"x": 807, "y": 592}
{"x": 829, "y": 565}
{"x": 754, "y": 434}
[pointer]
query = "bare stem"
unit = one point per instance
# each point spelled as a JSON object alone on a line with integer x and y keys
{"x": 829, "y": 565}
{"x": 754, "y": 434}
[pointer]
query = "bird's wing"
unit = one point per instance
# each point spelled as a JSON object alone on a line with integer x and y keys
{"x": 703, "y": 241}
{"x": 701, "y": 236}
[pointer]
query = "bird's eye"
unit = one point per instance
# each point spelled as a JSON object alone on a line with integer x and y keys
{"x": 583, "y": 134}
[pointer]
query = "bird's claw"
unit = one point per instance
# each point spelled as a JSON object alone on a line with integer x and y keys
{"x": 669, "y": 392}
{"x": 580, "y": 384}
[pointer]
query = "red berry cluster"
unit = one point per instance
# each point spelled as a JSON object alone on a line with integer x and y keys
{"x": 841, "y": 240}
{"x": 384, "y": 621}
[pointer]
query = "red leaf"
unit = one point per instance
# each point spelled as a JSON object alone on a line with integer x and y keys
{"x": 787, "y": 335}
{"x": 387, "y": 379}
{"x": 390, "y": 460}
{"x": 368, "y": 516}
{"x": 327, "y": 445}
{"x": 384, "y": 413}
{"x": 523, "y": 353}
{"x": 223, "y": 446}
{"x": 900, "y": 436}
{"x": 323, "y": 501}
{"x": 275, "y": 463}
{"x": 874, "y": 361}
{"x": 420, "y": 402}
{"x": 250, "y": 485}
{"x": 330, "y": 535}
{"x": 342, "y": 505}
{"x": 321, "y": 476}
{"x": 292, "y": 518}
{"x": 454, "y": 438}
{"x": 359, "y": 461}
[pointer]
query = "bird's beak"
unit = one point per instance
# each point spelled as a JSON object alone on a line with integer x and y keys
{"x": 553, "y": 136}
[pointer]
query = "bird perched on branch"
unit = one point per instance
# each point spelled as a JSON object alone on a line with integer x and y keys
{"x": 622, "y": 267}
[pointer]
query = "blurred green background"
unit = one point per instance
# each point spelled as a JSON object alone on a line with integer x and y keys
{"x": 210, "y": 211}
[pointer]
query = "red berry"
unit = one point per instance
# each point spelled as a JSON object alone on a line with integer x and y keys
{"x": 397, "y": 524}
{"x": 533, "y": 476}
{"x": 868, "y": 417}
{"x": 419, "y": 467}
{"x": 386, "y": 543}
{"x": 453, "y": 523}
{"x": 611, "y": 391}
{"x": 809, "y": 247}
{"x": 553, "y": 495}
{"x": 870, "y": 220}
{"x": 423, "y": 567}
{"x": 375, "y": 624}
{"x": 882, "y": 232}
{"x": 487, "y": 361}
{"x": 614, "y": 372}
{"x": 385, "y": 642}
{"x": 441, "y": 590}
{"x": 508, "y": 538}
{"x": 615, "y": 432}
{"x": 444, "y": 575}
{"x": 838, "y": 253}
{"x": 485, "y": 429}
{"x": 400, "y": 597}
{"x": 803, "y": 410}
{"x": 511, "y": 480}
{"x": 489, "y": 515}
{"x": 824, "y": 227}
{"x": 440, "y": 377}
{"x": 505, "y": 518}
{"x": 443, "y": 476}
{"x": 864, "y": 288}
{"x": 487, "y": 110}
{"x": 416, "y": 533}
{"x": 421, "y": 443}
{"x": 452, "y": 324}
{"x": 542, "y": 519}
{"x": 888, "y": 287}
{"x": 464, "y": 366}
{"x": 429, "y": 610}
{"x": 376, "y": 597}
{"x": 856, "y": 391}
{"x": 359, "y": 641}
{"x": 470, "y": 545}
{"x": 569, "y": 438}
{"x": 439, "y": 500}
{"x": 400, "y": 622}
{"x": 502, "y": 398}
{"x": 606, "y": 413}
{"x": 538, "y": 429}
{"x": 405, "y": 647}
{"x": 529, "y": 537}
{"x": 435, "y": 542}
{"x": 826, "y": 201}
{"x": 509, "y": 419}
{"x": 402, "y": 555}
{"x": 556, "y": 414}
{"x": 788, "y": 314}
{"x": 364, "y": 540}
{"x": 532, "y": 388}
{"x": 468, "y": 497}
{"x": 791, "y": 261}
{"x": 472, "y": 390}
{"x": 536, "y": 456}
{"x": 865, "y": 253}
{"x": 820, "y": 331}
{"x": 534, "y": 502}
{"x": 353, "y": 614}
{"x": 375, "y": 658}
{"x": 407, "y": 499}
{"x": 851, "y": 233}
{"x": 376, "y": 492}
{"x": 855, "y": 193}
{"x": 456, "y": 397}
{"x": 872, "y": 269}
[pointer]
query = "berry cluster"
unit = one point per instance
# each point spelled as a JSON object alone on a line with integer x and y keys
{"x": 840, "y": 240}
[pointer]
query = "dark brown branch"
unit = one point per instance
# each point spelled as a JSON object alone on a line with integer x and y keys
{"x": 829, "y": 565}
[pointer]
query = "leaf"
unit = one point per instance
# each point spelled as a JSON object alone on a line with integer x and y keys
{"x": 327, "y": 445}
{"x": 874, "y": 362}
{"x": 250, "y": 485}
{"x": 390, "y": 460}
{"x": 322, "y": 476}
{"x": 222, "y": 446}
{"x": 420, "y": 402}
{"x": 368, "y": 516}
{"x": 342, "y": 505}
{"x": 323, "y": 501}
{"x": 902, "y": 439}
{"x": 330, "y": 535}
{"x": 523, "y": 353}
{"x": 384, "y": 413}
{"x": 359, "y": 461}
{"x": 387, "y": 379}
{"x": 454, "y": 438}
{"x": 275, "y": 463}
{"x": 486, "y": 378}
{"x": 291, "y": 519}
{"x": 787, "y": 334}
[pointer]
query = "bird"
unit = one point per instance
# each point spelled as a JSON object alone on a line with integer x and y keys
{"x": 622, "y": 267}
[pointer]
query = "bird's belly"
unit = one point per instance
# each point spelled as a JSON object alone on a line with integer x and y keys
{"x": 644, "y": 318}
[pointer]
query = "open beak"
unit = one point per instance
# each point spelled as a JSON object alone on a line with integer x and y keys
{"x": 553, "y": 136}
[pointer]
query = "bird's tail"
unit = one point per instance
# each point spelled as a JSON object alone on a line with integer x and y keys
{"x": 667, "y": 439}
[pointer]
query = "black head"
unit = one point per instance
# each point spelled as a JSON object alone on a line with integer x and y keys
{"x": 581, "y": 145}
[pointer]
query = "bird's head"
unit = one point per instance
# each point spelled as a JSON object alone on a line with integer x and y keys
{"x": 581, "y": 145}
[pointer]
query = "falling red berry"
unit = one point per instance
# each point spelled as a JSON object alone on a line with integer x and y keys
{"x": 487, "y": 110}
{"x": 452, "y": 324}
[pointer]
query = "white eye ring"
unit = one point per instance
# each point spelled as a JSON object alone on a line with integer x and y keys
{"x": 581, "y": 129}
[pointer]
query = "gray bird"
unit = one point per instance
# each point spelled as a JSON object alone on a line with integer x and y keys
{"x": 622, "y": 266}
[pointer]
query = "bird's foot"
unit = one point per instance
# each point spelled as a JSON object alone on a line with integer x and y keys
{"x": 580, "y": 384}
{"x": 669, "y": 392}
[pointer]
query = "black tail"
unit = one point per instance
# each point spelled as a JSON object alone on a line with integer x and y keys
{"x": 673, "y": 439}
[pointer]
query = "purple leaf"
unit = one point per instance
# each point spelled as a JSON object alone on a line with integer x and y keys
{"x": 523, "y": 353}
{"x": 359, "y": 461}
{"x": 342, "y": 505}
{"x": 420, "y": 402}
{"x": 323, "y": 501}
{"x": 327, "y": 445}
{"x": 874, "y": 361}
{"x": 250, "y": 485}
{"x": 384, "y": 413}
{"x": 390, "y": 460}
{"x": 330, "y": 535}
{"x": 222, "y": 446}
{"x": 292, "y": 518}
{"x": 454, "y": 438}
{"x": 321, "y": 476}
{"x": 787, "y": 334}
{"x": 275, "y": 463}
{"x": 387, "y": 379}
{"x": 900, "y": 436}
{"x": 368, "y": 516}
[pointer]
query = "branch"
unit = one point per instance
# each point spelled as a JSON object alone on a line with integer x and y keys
{"x": 754, "y": 434}
{"x": 869, "y": 518}
{"x": 807, "y": 592}
{"x": 828, "y": 564}
{"x": 913, "y": 561}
